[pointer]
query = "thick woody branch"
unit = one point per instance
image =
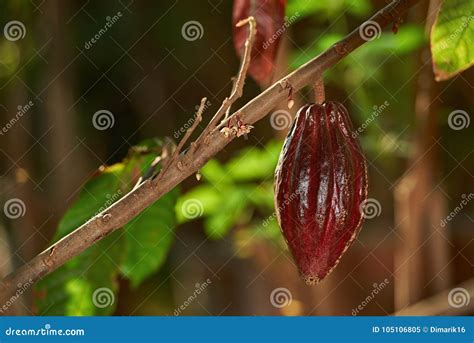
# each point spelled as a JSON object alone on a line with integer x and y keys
{"x": 204, "y": 149}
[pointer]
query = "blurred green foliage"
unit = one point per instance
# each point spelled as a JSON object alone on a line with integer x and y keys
{"x": 328, "y": 9}
{"x": 237, "y": 193}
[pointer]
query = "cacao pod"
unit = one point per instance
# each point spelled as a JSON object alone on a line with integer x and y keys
{"x": 320, "y": 184}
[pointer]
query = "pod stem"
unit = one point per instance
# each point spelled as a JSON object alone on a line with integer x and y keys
{"x": 319, "y": 94}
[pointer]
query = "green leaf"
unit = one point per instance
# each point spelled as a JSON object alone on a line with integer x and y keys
{"x": 98, "y": 193}
{"x": 452, "y": 39}
{"x": 69, "y": 290}
{"x": 148, "y": 238}
{"x": 87, "y": 284}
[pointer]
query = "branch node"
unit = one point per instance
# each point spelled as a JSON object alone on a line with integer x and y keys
{"x": 105, "y": 218}
{"x": 396, "y": 24}
{"x": 341, "y": 48}
{"x": 238, "y": 129}
{"x": 286, "y": 85}
{"x": 47, "y": 262}
{"x": 229, "y": 131}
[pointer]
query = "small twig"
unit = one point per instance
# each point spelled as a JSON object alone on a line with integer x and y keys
{"x": 189, "y": 132}
{"x": 152, "y": 169}
{"x": 197, "y": 120}
{"x": 239, "y": 81}
{"x": 149, "y": 173}
{"x": 227, "y": 113}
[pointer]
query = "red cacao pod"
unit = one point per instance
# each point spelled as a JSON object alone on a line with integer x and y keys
{"x": 270, "y": 18}
{"x": 320, "y": 184}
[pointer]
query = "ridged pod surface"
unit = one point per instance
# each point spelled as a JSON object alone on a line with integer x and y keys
{"x": 320, "y": 186}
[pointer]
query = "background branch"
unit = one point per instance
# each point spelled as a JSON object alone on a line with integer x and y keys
{"x": 207, "y": 145}
{"x": 439, "y": 304}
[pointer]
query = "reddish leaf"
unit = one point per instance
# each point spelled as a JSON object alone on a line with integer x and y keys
{"x": 270, "y": 16}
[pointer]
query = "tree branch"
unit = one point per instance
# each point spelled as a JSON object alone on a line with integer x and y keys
{"x": 204, "y": 149}
{"x": 454, "y": 302}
